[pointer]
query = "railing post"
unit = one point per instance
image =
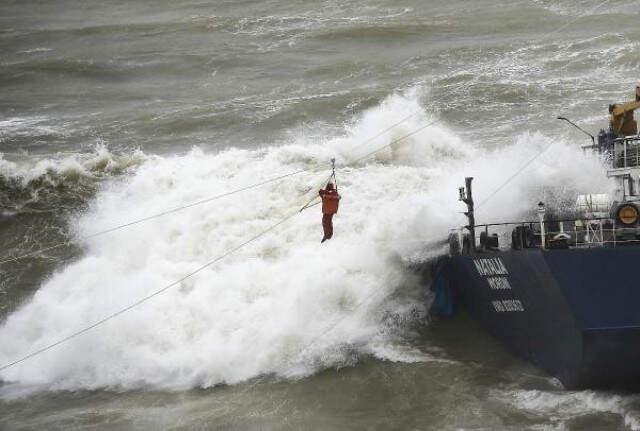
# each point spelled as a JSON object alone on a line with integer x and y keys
{"x": 601, "y": 233}
{"x": 543, "y": 239}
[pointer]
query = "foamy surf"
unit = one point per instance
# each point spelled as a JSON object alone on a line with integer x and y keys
{"x": 562, "y": 407}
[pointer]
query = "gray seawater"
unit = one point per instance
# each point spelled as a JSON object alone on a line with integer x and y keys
{"x": 109, "y": 85}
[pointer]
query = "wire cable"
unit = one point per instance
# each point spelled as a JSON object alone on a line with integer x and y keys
{"x": 191, "y": 274}
{"x": 252, "y": 239}
{"x": 193, "y": 204}
{"x": 146, "y": 298}
{"x": 154, "y": 216}
{"x": 519, "y": 171}
{"x": 579, "y": 17}
{"x": 515, "y": 174}
{"x": 395, "y": 141}
{"x": 496, "y": 191}
{"x": 310, "y": 203}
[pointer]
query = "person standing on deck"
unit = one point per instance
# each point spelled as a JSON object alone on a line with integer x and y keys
{"x": 330, "y": 200}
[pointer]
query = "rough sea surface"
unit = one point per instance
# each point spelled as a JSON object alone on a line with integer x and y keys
{"x": 114, "y": 111}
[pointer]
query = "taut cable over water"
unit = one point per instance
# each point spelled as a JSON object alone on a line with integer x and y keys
{"x": 116, "y": 113}
{"x": 254, "y": 238}
{"x": 222, "y": 195}
{"x": 221, "y": 257}
{"x": 199, "y": 269}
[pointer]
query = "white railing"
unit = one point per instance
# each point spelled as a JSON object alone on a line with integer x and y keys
{"x": 579, "y": 233}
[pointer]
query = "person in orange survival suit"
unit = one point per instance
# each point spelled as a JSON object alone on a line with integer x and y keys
{"x": 330, "y": 200}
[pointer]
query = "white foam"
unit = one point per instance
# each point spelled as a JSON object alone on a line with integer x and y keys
{"x": 35, "y": 50}
{"x": 285, "y": 304}
{"x": 586, "y": 8}
{"x": 97, "y": 163}
{"x": 26, "y": 126}
{"x": 564, "y": 405}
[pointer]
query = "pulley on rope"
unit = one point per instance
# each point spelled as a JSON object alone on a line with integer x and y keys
{"x": 333, "y": 173}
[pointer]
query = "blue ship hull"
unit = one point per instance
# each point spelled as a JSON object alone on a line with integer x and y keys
{"x": 574, "y": 313}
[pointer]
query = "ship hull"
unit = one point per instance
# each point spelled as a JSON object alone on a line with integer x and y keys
{"x": 574, "y": 313}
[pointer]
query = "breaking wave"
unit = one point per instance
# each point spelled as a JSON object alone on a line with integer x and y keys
{"x": 284, "y": 305}
{"x": 48, "y": 182}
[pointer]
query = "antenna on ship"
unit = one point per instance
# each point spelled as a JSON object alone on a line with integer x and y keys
{"x": 593, "y": 138}
{"x": 466, "y": 196}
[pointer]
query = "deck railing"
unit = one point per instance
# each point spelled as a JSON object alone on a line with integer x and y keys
{"x": 566, "y": 233}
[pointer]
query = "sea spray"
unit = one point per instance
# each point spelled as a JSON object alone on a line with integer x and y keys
{"x": 285, "y": 304}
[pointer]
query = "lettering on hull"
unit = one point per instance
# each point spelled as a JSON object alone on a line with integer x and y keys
{"x": 499, "y": 283}
{"x": 506, "y": 305}
{"x": 495, "y": 272}
{"x": 493, "y": 266}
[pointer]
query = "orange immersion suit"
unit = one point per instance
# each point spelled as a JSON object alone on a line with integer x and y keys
{"x": 330, "y": 200}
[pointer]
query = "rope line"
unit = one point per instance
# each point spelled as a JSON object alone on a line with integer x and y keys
{"x": 254, "y": 238}
{"x": 191, "y": 274}
{"x": 369, "y": 297}
{"x": 419, "y": 129}
{"x": 544, "y": 150}
{"x": 309, "y": 204}
{"x": 158, "y": 215}
{"x": 386, "y": 130}
{"x": 515, "y": 174}
{"x": 315, "y": 196}
{"x": 213, "y": 198}
{"x": 193, "y": 204}
{"x": 579, "y": 17}
{"x": 146, "y": 298}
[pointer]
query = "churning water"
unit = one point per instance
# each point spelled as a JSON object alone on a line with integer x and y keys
{"x": 112, "y": 112}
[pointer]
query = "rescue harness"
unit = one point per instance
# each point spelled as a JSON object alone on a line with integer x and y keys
{"x": 335, "y": 182}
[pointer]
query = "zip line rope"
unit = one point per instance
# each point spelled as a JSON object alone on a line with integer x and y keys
{"x": 579, "y": 17}
{"x": 254, "y": 238}
{"x": 496, "y": 191}
{"x": 419, "y": 129}
{"x": 154, "y": 216}
{"x": 544, "y": 150}
{"x": 515, "y": 174}
{"x": 146, "y": 298}
{"x": 213, "y": 198}
{"x": 193, "y": 204}
{"x": 395, "y": 141}
{"x": 308, "y": 204}
{"x": 191, "y": 274}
